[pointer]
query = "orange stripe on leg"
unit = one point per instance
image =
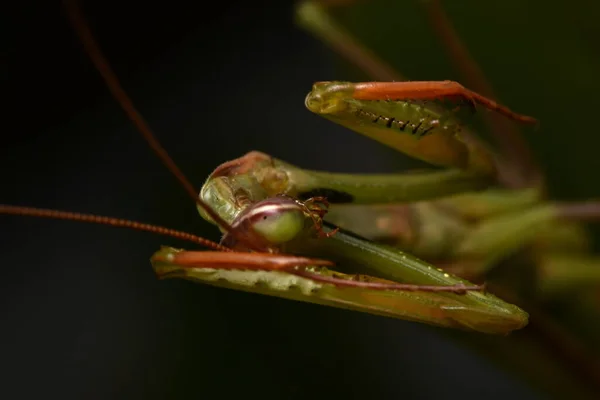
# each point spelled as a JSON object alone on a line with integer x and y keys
{"x": 248, "y": 261}
{"x": 418, "y": 90}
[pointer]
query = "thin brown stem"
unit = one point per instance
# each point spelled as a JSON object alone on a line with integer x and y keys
{"x": 516, "y": 162}
{"x": 585, "y": 211}
{"x": 559, "y": 341}
{"x": 313, "y": 17}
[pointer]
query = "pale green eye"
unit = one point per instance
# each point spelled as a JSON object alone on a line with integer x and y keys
{"x": 280, "y": 227}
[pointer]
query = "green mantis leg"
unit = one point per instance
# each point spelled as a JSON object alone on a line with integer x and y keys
{"x": 515, "y": 163}
{"x": 257, "y": 176}
{"x": 473, "y": 233}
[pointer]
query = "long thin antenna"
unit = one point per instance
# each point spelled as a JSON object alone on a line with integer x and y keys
{"x": 93, "y": 50}
{"x": 110, "y": 221}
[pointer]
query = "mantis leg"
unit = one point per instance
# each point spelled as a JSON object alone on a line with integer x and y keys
{"x": 480, "y": 311}
{"x": 168, "y": 261}
{"x": 258, "y": 172}
{"x": 314, "y": 17}
{"x": 235, "y": 260}
{"x": 447, "y": 301}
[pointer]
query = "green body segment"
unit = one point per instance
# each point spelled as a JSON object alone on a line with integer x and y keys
{"x": 475, "y": 232}
{"x": 418, "y": 129}
{"x": 257, "y": 176}
{"x": 483, "y": 225}
{"x": 421, "y": 228}
{"x": 475, "y": 310}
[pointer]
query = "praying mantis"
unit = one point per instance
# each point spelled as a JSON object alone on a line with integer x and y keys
{"x": 256, "y": 204}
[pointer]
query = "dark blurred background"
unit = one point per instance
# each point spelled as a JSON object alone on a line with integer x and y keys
{"x": 83, "y": 315}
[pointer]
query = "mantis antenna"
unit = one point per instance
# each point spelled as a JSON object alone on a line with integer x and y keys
{"x": 110, "y": 221}
{"x": 92, "y": 49}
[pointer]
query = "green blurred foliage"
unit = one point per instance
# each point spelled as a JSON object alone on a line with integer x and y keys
{"x": 540, "y": 58}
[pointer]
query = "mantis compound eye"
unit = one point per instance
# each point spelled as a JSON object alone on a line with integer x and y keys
{"x": 269, "y": 223}
{"x": 278, "y": 223}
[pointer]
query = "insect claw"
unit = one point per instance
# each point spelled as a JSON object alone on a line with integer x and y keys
{"x": 462, "y": 289}
{"x": 317, "y": 207}
{"x": 323, "y": 234}
{"x": 313, "y": 205}
{"x": 319, "y": 199}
